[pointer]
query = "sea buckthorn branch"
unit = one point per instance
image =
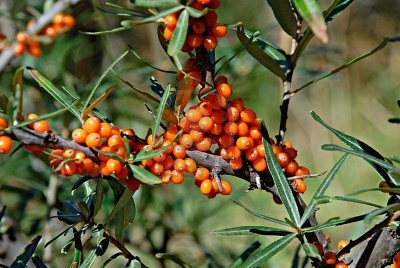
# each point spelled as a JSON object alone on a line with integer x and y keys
{"x": 28, "y": 136}
{"x": 8, "y": 53}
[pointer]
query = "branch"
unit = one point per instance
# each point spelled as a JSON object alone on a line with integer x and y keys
{"x": 8, "y": 53}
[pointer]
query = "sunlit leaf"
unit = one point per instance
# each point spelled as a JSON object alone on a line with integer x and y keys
{"x": 160, "y": 111}
{"x": 144, "y": 175}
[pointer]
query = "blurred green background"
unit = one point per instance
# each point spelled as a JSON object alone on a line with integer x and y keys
{"x": 358, "y": 101}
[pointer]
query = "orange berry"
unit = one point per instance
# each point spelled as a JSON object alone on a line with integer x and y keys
{"x": 299, "y": 185}
{"x": 118, "y": 150}
{"x": 191, "y": 166}
{"x": 206, "y": 186}
{"x": 255, "y": 133}
{"x": 115, "y": 140}
{"x": 114, "y": 130}
{"x": 88, "y": 165}
{"x": 22, "y": 37}
{"x": 247, "y": 115}
{"x": 220, "y": 102}
{"x": 41, "y": 126}
{"x": 210, "y": 42}
{"x": 157, "y": 169}
{"x": 5, "y": 144}
{"x": 68, "y": 169}
{"x": 233, "y": 152}
{"x": 330, "y": 257}
{"x": 105, "y": 130}
{"x": 302, "y": 171}
{"x": 342, "y": 244}
{"x": 244, "y": 143}
{"x": 194, "y": 40}
{"x": 123, "y": 174}
{"x": 50, "y": 32}
{"x": 251, "y": 154}
{"x": 288, "y": 144}
{"x": 19, "y": 49}
{"x": 261, "y": 150}
{"x": 203, "y": 2}
{"x": 170, "y": 133}
{"x": 177, "y": 176}
{"x": 218, "y": 30}
{"x": 147, "y": 163}
{"x": 180, "y": 164}
{"x": 168, "y": 163}
{"x": 34, "y": 50}
{"x": 230, "y": 128}
{"x": 179, "y": 151}
{"x": 186, "y": 140}
{"x": 95, "y": 171}
{"x": 170, "y": 21}
{"x": 3, "y": 122}
{"x": 193, "y": 115}
{"x": 104, "y": 170}
{"x": 196, "y": 135}
{"x": 214, "y": 4}
{"x": 225, "y": 90}
{"x": 68, "y": 20}
{"x": 79, "y": 135}
{"x": 204, "y": 145}
{"x": 232, "y": 114}
{"x": 92, "y": 124}
{"x": 210, "y": 18}
{"x": 226, "y": 187}
{"x": 114, "y": 166}
{"x": 292, "y": 153}
{"x": 236, "y": 164}
{"x": 243, "y": 129}
{"x": 292, "y": 167}
{"x": 168, "y": 35}
{"x": 206, "y": 124}
{"x": 205, "y": 108}
{"x": 103, "y": 157}
{"x": 238, "y": 104}
{"x": 218, "y": 116}
{"x": 260, "y": 164}
{"x": 58, "y": 19}
{"x": 276, "y": 148}
{"x": 217, "y": 129}
{"x": 93, "y": 140}
{"x": 226, "y": 140}
{"x": 166, "y": 176}
{"x": 283, "y": 159}
{"x": 341, "y": 265}
{"x": 199, "y": 27}
{"x": 319, "y": 246}
{"x": 202, "y": 174}
{"x": 69, "y": 153}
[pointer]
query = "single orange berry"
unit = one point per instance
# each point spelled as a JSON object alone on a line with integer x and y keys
{"x": 214, "y": 4}
{"x": 283, "y": 159}
{"x": 105, "y": 130}
{"x": 243, "y": 129}
{"x": 196, "y": 135}
{"x": 101, "y": 155}
{"x": 230, "y": 128}
{"x": 41, "y": 126}
{"x": 69, "y": 153}
{"x": 168, "y": 163}
{"x": 58, "y": 19}
{"x": 292, "y": 153}
{"x": 204, "y": 145}
{"x": 191, "y": 166}
{"x": 22, "y": 37}
{"x": 292, "y": 167}
{"x": 233, "y": 152}
{"x": 206, "y": 124}
{"x": 302, "y": 171}
{"x": 330, "y": 257}
{"x": 210, "y": 42}
{"x": 92, "y": 124}
{"x": 299, "y": 185}
{"x": 210, "y": 18}
{"x": 50, "y": 32}
{"x": 341, "y": 265}
{"x": 104, "y": 170}
{"x": 218, "y": 116}
{"x": 180, "y": 164}
{"x": 168, "y": 35}
{"x": 88, "y": 165}
{"x": 68, "y": 20}
{"x": 166, "y": 176}
{"x": 261, "y": 150}
{"x": 186, "y": 140}
{"x": 93, "y": 140}
{"x": 218, "y": 30}
{"x": 232, "y": 114}
{"x": 226, "y": 187}
{"x": 206, "y": 186}
{"x": 217, "y": 129}
{"x": 170, "y": 133}
{"x": 68, "y": 169}
{"x": 260, "y": 164}
{"x": 79, "y": 135}
{"x": 157, "y": 169}
{"x": 3, "y": 122}
{"x": 251, "y": 154}
{"x": 226, "y": 140}
{"x": 179, "y": 151}
{"x": 19, "y": 49}
{"x": 205, "y": 108}
{"x": 225, "y": 90}
{"x": 199, "y": 27}
{"x": 244, "y": 143}
{"x": 238, "y": 103}
{"x": 247, "y": 115}
{"x": 118, "y": 150}
{"x": 202, "y": 174}
{"x": 115, "y": 140}
{"x": 34, "y": 50}
{"x": 193, "y": 115}
{"x": 170, "y": 21}
{"x": 342, "y": 244}
{"x": 114, "y": 166}
{"x": 236, "y": 164}
{"x": 194, "y": 40}
{"x": 5, "y": 144}
{"x": 177, "y": 176}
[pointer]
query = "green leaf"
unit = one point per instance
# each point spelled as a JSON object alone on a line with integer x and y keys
{"x": 379, "y": 47}
{"x": 3, "y": 102}
{"x": 359, "y": 146}
{"x": 195, "y": 13}
{"x": 251, "y": 230}
{"x": 25, "y": 256}
{"x": 179, "y": 34}
{"x": 110, "y": 154}
{"x": 156, "y": 3}
{"x": 262, "y": 52}
{"x": 115, "y": 30}
{"x": 144, "y": 175}
{"x": 265, "y": 217}
{"x": 281, "y": 183}
{"x": 238, "y": 262}
{"x": 122, "y": 202}
{"x": 391, "y": 208}
{"x": 322, "y": 189}
{"x": 368, "y": 157}
{"x": 334, "y": 223}
{"x": 266, "y": 253}
{"x": 150, "y": 19}
{"x": 90, "y": 258}
{"x": 56, "y": 93}
{"x": 312, "y": 13}
{"x": 311, "y": 251}
{"x": 173, "y": 258}
{"x": 339, "y": 6}
{"x": 93, "y": 91}
{"x": 327, "y": 199}
{"x": 160, "y": 111}
{"x": 284, "y": 14}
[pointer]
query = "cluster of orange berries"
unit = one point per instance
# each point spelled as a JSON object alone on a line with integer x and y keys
{"x": 330, "y": 257}
{"x": 5, "y": 140}
{"x": 202, "y": 31}
{"x": 25, "y": 42}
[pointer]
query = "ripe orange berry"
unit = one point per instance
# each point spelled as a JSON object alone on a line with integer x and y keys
{"x": 186, "y": 140}
{"x": 157, "y": 169}
{"x": 226, "y": 140}
{"x": 191, "y": 166}
{"x": 170, "y": 21}
{"x": 3, "y": 123}
{"x": 341, "y": 265}
{"x": 194, "y": 40}
{"x": 205, "y": 108}
{"x": 243, "y": 128}
{"x": 221, "y": 79}
{"x": 217, "y": 129}
{"x": 292, "y": 167}
{"x": 232, "y": 114}
{"x": 177, "y": 176}
{"x": 68, "y": 169}
{"x": 292, "y": 153}
{"x": 92, "y": 124}
{"x": 342, "y": 244}
{"x": 218, "y": 30}
{"x": 261, "y": 150}
{"x": 210, "y": 42}
{"x": 226, "y": 187}
{"x": 102, "y": 156}
{"x": 199, "y": 27}
{"x": 299, "y": 185}
{"x": 34, "y": 50}
{"x": 206, "y": 124}
{"x": 104, "y": 170}
{"x": 41, "y": 126}
{"x": 283, "y": 159}
{"x": 123, "y": 174}
{"x": 202, "y": 174}
{"x": 210, "y": 18}
{"x": 19, "y": 49}
{"x": 260, "y": 164}
{"x": 225, "y": 90}
{"x": 193, "y": 115}
{"x": 50, "y": 32}
{"x": 236, "y": 164}
{"x": 88, "y": 165}
{"x": 244, "y": 143}
{"x": 58, "y": 19}
{"x": 93, "y": 140}
{"x": 79, "y": 135}
{"x": 179, "y": 151}
{"x": 166, "y": 176}
{"x": 206, "y": 186}
{"x": 105, "y": 130}
{"x": 68, "y": 20}
{"x": 330, "y": 257}
{"x": 233, "y": 152}
{"x": 168, "y": 35}
{"x": 5, "y": 144}
{"x": 230, "y": 128}
{"x": 251, "y": 154}
{"x": 118, "y": 150}
{"x": 247, "y": 115}
{"x": 218, "y": 116}
{"x": 238, "y": 104}
{"x": 302, "y": 171}
{"x": 114, "y": 166}
{"x": 69, "y": 153}
{"x": 22, "y": 37}
{"x": 170, "y": 133}
{"x": 255, "y": 133}
{"x": 115, "y": 140}
{"x": 196, "y": 135}
{"x": 180, "y": 164}
{"x": 115, "y": 131}
{"x": 204, "y": 145}
{"x": 214, "y": 4}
